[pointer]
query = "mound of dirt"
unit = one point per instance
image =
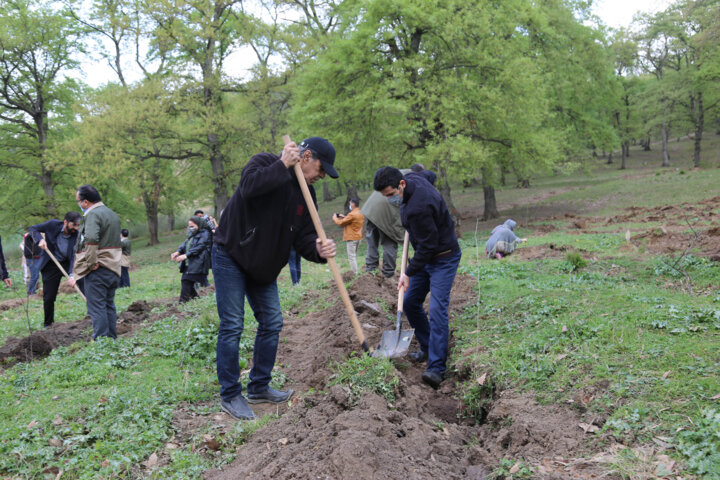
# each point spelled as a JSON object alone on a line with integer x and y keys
{"x": 666, "y": 241}
{"x": 40, "y": 343}
{"x": 422, "y": 435}
{"x": 12, "y": 303}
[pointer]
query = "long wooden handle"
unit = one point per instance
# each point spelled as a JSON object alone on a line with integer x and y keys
{"x": 403, "y": 264}
{"x": 331, "y": 261}
{"x": 52, "y": 257}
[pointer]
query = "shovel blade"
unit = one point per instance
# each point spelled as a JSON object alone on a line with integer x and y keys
{"x": 394, "y": 343}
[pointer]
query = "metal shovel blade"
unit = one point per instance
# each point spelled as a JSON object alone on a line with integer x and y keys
{"x": 395, "y": 343}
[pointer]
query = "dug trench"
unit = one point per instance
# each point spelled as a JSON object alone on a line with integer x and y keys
{"x": 324, "y": 432}
{"x": 39, "y": 343}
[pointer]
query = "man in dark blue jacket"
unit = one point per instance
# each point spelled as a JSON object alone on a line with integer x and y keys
{"x": 433, "y": 267}
{"x": 266, "y": 216}
{"x": 59, "y": 239}
{"x": 3, "y": 269}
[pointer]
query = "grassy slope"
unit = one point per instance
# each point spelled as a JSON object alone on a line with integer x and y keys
{"x": 97, "y": 409}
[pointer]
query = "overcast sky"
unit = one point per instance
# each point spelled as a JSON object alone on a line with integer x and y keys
{"x": 619, "y": 13}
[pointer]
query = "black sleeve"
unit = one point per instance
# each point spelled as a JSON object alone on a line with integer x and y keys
{"x": 36, "y": 230}
{"x": 3, "y": 269}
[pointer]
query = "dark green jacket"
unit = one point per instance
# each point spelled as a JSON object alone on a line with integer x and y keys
{"x": 99, "y": 241}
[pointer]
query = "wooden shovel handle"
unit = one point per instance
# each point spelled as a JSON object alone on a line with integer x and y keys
{"x": 331, "y": 261}
{"x": 403, "y": 265}
{"x": 52, "y": 257}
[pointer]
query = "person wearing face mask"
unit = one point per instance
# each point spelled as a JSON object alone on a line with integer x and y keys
{"x": 97, "y": 260}
{"x": 431, "y": 270}
{"x": 57, "y": 237}
{"x": 192, "y": 256}
{"x": 382, "y": 228}
{"x": 352, "y": 224}
{"x": 266, "y": 216}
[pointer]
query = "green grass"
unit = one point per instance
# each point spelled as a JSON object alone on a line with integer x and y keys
{"x": 538, "y": 326}
{"x": 623, "y": 326}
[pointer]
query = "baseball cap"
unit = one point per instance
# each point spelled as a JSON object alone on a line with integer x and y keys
{"x": 324, "y": 151}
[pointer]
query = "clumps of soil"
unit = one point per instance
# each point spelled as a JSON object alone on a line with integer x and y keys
{"x": 671, "y": 241}
{"x": 422, "y": 435}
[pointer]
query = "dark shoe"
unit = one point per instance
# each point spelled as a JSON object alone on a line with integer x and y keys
{"x": 47, "y": 325}
{"x": 270, "y": 396}
{"x": 238, "y": 408}
{"x": 432, "y": 378}
{"x": 418, "y": 357}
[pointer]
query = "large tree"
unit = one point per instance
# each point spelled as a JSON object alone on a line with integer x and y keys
{"x": 39, "y": 47}
{"x": 203, "y": 34}
{"x": 145, "y": 138}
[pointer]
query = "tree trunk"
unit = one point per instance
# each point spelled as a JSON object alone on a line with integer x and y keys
{"x": 352, "y": 192}
{"x": 490, "y": 210}
{"x": 171, "y": 221}
{"x": 609, "y": 158}
{"x": 218, "y": 168}
{"x": 49, "y": 191}
{"x": 327, "y": 196}
{"x": 646, "y": 144}
{"x": 664, "y": 135}
{"x": 151, "y": 213}
{"x": 444, "y": 189}
{"x": 699, "y": 126}
{"x": 623, "y": 159}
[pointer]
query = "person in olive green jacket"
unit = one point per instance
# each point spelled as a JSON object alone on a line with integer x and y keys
{"x": 97, "y": 260}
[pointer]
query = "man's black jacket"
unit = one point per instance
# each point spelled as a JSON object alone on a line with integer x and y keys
{"x": 267, "y": 215}
{"x": 427, "y": 219}
{"x": 52, "y": 230}
{"x": 3, "y": 269}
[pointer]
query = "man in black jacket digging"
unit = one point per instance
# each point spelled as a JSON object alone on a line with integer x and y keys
{"x": 433, "y": 267}
{"x": 59, "y": 240}
{"x": 266, "y": 216}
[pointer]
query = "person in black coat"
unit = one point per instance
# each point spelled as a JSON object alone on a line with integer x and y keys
{"x": 192, "y": 256}
{"x": 433, "y": 267}
{"x": 58, "y": 238}
{"x": 265, "y": 218}
{"x": 3, "y": 270}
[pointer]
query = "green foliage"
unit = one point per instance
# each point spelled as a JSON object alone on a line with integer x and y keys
{"x": 510, "y": 469}
{"x": 701, "y": 445}
{"x": 363, "y": 373}
{"x": 574, "y": 262}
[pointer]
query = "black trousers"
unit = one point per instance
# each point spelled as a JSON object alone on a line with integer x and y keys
{"x": 51, "y": 278}
{"x": 187, "y": 290}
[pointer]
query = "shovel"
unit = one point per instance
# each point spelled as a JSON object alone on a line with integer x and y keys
{"x": 331, "y": 261}
{"x": 396, "y": 343}
{"x": 52, "y": 257}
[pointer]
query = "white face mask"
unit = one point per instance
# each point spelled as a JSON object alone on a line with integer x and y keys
{"x": 350, "y": 207}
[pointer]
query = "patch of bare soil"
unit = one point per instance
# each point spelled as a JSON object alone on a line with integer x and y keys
{"x": 422, "y": 435}
{"x": 671, "y": 241}
{"x": 12, "y": 303}
{"x": 40, "y": 343}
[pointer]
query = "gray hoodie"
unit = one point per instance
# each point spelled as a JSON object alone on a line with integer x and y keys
{"x": 503, "y": 233}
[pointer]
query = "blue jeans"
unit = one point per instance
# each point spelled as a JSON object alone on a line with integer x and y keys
{"x": 231, "y": 288}
{"x": 294, "y": 264}
{"x": 34, "y": 267}
{"x": 432, "y": 334}
{"x": 100, "y": 286}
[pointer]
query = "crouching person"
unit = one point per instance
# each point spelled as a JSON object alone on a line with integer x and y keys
{"x": 503, "y": 241}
